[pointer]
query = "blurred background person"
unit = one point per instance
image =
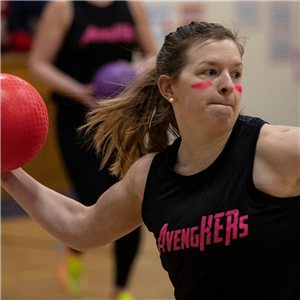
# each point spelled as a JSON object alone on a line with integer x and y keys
{"x": 18, "y": 24}
{"x": 74, "y": 39}
{"x": 4, "y": 29}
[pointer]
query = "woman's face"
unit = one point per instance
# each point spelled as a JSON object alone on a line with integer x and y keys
{"x": 208, "y": 91}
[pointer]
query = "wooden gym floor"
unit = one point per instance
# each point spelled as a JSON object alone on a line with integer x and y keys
{"x": 29, "y": 259}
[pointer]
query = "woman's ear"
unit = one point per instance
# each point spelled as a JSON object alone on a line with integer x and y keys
{"x": 165, "y": 87}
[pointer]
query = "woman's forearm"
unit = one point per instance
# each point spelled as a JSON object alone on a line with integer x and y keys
{"x": 60, "y": 82}
{"x": 64, "y": 84}
{"x": 57, "y": 214}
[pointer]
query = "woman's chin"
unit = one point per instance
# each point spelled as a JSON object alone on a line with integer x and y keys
{"x": 223, "y": 115}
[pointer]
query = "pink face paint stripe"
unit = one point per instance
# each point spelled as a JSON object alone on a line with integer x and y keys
{"x": 201, "y": 85}
{"x": 238, "y": 88}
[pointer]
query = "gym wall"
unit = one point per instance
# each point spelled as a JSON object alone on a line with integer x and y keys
{"x": 271, "y": 61}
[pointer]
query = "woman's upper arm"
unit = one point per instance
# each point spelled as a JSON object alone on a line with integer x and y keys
{"x": 53, "y": 25}
{"x": 118, "y": 211}
{"x": 144, "y": 35}
{"x": 277, "y": 161}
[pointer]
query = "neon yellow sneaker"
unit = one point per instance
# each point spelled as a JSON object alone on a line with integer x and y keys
{"x": 69, "y": 270}
{"x": 74, "y": 264}
{"x": 125, "y": 296}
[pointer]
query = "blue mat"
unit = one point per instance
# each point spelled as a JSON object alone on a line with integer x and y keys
{"x": 10, "y": 208}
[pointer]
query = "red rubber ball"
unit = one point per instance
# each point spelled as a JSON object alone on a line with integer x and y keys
{"x": 24, "y": 122}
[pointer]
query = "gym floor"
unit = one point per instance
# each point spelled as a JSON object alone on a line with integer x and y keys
{"x": 29, "y": 258}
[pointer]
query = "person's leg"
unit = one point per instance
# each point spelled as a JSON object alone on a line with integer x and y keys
{"x": 89, "y": 183}
{"x": 69, "y": 268}
{"x": 125, "y": 250}
{"x": 81, "y": 163}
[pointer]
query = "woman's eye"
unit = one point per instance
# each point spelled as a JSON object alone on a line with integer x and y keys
{"x": 210, "y": 72}
{"x": 237, "y": 75}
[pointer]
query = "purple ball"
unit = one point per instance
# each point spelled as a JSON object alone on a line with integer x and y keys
{"x": 108, "y": 77}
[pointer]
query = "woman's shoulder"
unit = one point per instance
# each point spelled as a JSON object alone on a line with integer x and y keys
{"x": 59, "y": 6}
{"x": 141, "y": 167}
{"x": 61, "y": 11}
{"x": 278, "y": 137}
{"x": 277, "y": 160}
{"x": 137, "y": 175}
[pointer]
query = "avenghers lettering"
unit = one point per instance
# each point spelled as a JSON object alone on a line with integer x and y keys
{"x": 200, "y": 236}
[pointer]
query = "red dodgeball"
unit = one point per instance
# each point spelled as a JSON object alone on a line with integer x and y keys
{"x": 24, "y": 122}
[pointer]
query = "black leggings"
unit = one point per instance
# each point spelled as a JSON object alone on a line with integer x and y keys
{"x": 82, "y": 166}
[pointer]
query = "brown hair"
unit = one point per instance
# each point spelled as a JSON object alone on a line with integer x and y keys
{"x": 140, "y": 120}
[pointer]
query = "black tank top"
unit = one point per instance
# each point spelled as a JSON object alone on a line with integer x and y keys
{"x": 217, "y": 235}
{"x": 97, "y": 35}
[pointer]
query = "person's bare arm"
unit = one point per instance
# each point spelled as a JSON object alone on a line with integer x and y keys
{"x": 142, "y": 27}
{"x": 116, "y": 213}
{"x": 277, "y": 161}
{"x": 53, "y": 26}
{"x": 146, "y": 42}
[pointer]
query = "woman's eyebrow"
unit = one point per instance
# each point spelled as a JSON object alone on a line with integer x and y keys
{"x": 213, "y": 63}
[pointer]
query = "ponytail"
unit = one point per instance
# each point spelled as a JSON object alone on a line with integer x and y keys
{"x": 137, "y": 122}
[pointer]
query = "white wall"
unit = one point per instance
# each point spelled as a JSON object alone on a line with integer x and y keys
{"x": 271, "y": 68}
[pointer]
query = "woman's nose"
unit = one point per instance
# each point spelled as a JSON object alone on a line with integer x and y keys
{"x": 226, "y": 85}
